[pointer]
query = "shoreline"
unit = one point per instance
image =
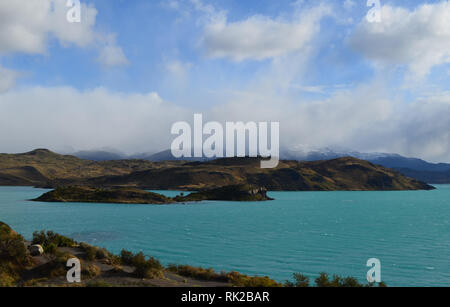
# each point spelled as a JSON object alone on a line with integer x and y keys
{"x": 46, "y": 266}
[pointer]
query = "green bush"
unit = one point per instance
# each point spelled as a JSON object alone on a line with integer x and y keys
{"x": 145, "y": 267}
{"x": 45, "y": 239}
{"x": 93, "y": 253}
{"x": 342, "y": 282}
{"x": 300, "y": 281}
{"x": 234, "y": 278}
{"x": 126, "y": 257}
{"x": 89, "y": 270}
{"x": 198, "y": 273}
{"x": 14, "y": 256}
{"x": 241, "y": 280}
{"x": 51, "y": 249}
{"x": 12, "y": 247}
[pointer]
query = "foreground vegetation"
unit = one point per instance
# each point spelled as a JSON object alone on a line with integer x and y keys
{"x": 100, "y": 268}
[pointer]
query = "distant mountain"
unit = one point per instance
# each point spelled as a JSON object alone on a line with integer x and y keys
{"x": 328, "y": 153}
{"x": 426, "y": 176}
{"x": 99, "y": 155}
{"x": 166, "y": 155}
{"x": 412, "y": 167}
{"x": 399, "y": 162}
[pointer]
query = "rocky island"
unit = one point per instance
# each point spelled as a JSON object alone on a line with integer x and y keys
{"x": 83, "y": 194}
{"x": 125, "y": 195}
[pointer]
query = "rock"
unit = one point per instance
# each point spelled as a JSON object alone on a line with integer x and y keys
{"x": 242, "y": 192}
{"x": 36, "y": 250}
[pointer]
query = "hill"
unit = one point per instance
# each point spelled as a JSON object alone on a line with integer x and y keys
{"x": 338, "y": 174}
{"x": 40, "y": 166}
{"x": 45, "y": 168}
{"x": 412, "y": 167}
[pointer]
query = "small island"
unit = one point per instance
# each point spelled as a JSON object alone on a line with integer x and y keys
{"x": 125, "y": 195}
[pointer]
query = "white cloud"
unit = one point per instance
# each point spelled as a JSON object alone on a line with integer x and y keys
{"x": 261, "y": 37}
{"x": 178, "y": 69}
{"x": 112, "y": 55}
{"x": 349, "y": 4}
{"x": 363, "y": 119}
{"x": 417, "y": 38}
{"x": 7, "y": 79}
{"x": 28, "y": 26}
{"x": 60, "y": 117}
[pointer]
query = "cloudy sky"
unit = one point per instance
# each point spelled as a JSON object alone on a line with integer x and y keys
{"x": 130, "y": 69}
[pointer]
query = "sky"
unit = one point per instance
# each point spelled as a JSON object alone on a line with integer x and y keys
{"x": 128, "y": 70}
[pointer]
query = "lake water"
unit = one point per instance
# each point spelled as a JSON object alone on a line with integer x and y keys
{"x": 307, "y": 232}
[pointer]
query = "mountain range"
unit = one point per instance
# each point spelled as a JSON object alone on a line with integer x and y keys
{"x": 438, "y": 173}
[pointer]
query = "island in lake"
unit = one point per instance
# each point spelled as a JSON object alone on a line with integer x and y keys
{"x": 124, "y": 195}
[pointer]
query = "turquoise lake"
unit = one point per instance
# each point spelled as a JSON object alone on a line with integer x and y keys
{"x": 307, "y": 232}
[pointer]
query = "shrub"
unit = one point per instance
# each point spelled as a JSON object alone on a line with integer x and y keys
{"x": 45, "y": 239}
{"x": 198, "y": 273}
{"x": 241, "y": 280}
{"x": 93, "y": 253}
{"x": 126, "y": 257}
{"x": 14, "y": 256}
{"x": 147, "y": 268}
{"x": 51, "y": 249}
{"x": 7, "y": 279}
{"x": 234, "y": 278}
{"x": 90, "y": 270}
{"x": 90, "y": 251}
{"x": 343, "y": 282}
{"x": 12, "y": 247}
{"x": 300, "y": 281}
